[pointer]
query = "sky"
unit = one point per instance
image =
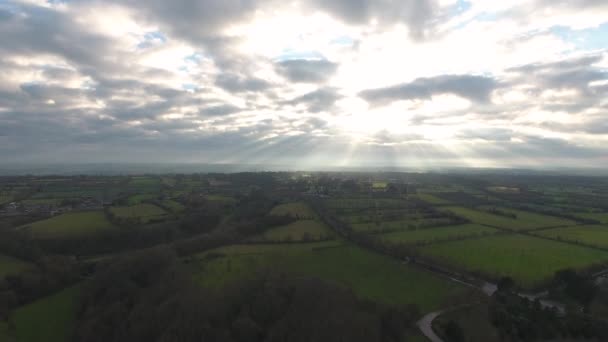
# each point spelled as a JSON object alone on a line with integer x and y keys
{"x": 309, "y": 84}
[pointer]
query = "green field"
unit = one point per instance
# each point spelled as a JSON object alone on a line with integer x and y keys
{"x": 42, "y": 201}
{"x": 406, "y": 224}
{"x": 301, "y": 230}
{"x": 221, "y": 199}
{"x": 428, "y": 235}
{"x": 70, "y": 225}
{"x": 589, "y": 235}
{"x": 524, "y": 221}
{"x": 369, "y": 275}
{"x": 174, "y": 206}
{"x": 601, "y": 217}
{"x": 49, "y": 319}
{"x": 139, "y": 198}
{"x": 379, "y": 185}
{"x": 363, "y": 203}
{"x": 10, "y": 265}
{"x": 432, "y": 199}
{"x": 528, "y": 260}
{"x": 144, "y": 181}
{"x": 297, "y": 210}
{"x": 143, "y": 212}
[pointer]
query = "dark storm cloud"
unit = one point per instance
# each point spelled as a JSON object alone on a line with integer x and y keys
{"x": 307, "y": 71}
{"x": 474, "y": 88}
{"x": 318, "y": 100}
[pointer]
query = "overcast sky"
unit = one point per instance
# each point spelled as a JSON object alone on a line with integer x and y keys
{"x": 316, "y": 83}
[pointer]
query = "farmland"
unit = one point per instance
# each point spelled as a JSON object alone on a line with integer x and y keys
{"x": 301, "y": 230}
{"x": 298, "y": 210}
{"x": 523, "y": 220}
{"x": 600, "y": 217}
{"x": 529, "y": 261}
{"x": 70, "y": 225}
{"x": 10, "y": 265}
{"x": 140, "y": 213}
{"x": 49, "y": 319}
{"x": 369, "y": 275}
{"x": 588, "y": 235}
{"x": 429, "y": 235}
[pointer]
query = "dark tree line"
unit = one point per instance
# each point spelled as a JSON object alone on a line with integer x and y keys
{"x": 151, "y": 297}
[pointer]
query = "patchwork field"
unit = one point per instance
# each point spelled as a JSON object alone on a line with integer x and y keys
{"x": 50, "y": 319}
{"x": 595, "y": 235}
{"x": 362, "y": 203}
{"x": 432, "y": 199}
{"x": 523, "y": 221}
{"x": 297, "y": 210}
{"x": 427, "y": 235}
{"x": 142, "y": 212}
{"x": 528, "y": 260}
{"x": 174, "y": 206}
{"x": 70, "y": 225}
{"x": 601, "y": 217}
{"x": 10, "y": 265}
{"x": 370, "y": 275}
{"x": 221, "y": 199}
{"x": 301, "y": 230}
{"x": 137, "y": 199}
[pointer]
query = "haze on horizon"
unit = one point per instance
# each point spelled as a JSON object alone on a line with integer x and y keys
{"x": 409, "y": 83}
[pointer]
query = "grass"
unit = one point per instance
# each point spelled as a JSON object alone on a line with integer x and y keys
{"x": 298, "y": 210}
{"x": 432, "y": 199}
{"x": 49, "y": 319}
{"x": 369, "y": 275}
{"x": 139, "y": 198}
{"x": 437, "y": 234}
{"x": 363, "y": 203}
{"x": 590, "y": 235}
{"x": 601, "y": 217}
{"x": 524, "y": 221}
{"x": 5, "y": 198}
{"x": 174, "y": 206}
{"x": 144, "y": 212}
{"x": 10, "y": 265}
{"x": 379, "y": 185}
{"x": 70, "y": 225}
{"x": 528, "y": 260}
{"x": 372, "y": 227}
{"x": 221, "y": 199}
{"x": 302, "y": 230}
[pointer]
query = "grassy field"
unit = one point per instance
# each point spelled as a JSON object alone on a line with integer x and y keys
{"x": 144, "y": 212}
{"x": 10, "y": 265}
{"x": 70, "y": 225}
{"x": 301, "y": 230}
{"x": 362, "y": 203}
{"x": 221, "y": 199}
{"x": 432, "y": 199}
{"x": 42, "y": 201}
{"x": 369, "y": 275}
{"x": 298, "y": 210}
{"x": 174, "y": 206}
{"x": 601, "y": 217}
{"x": 137, "y": 199}
{"x": 437, "y": 234}
{"x": 379, "y": 185}
{"x": 590, "y": 235}
{"x": 524, "y": 221}
{"x": 373, "y": 227}
{"x": 528, "y": 260}
{"x": 50, "y": 319}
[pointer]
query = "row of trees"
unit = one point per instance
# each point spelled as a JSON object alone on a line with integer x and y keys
{"x": 150, "y": 297}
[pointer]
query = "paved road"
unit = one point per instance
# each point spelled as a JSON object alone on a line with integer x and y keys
{"x": 425, "y": 324}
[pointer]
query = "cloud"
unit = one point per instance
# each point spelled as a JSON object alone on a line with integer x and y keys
{"x": 474, "y": 88}
{"x": 318, "y": 100}
{"x": 307, "y": 71}
{"x": 492, "y": 83}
